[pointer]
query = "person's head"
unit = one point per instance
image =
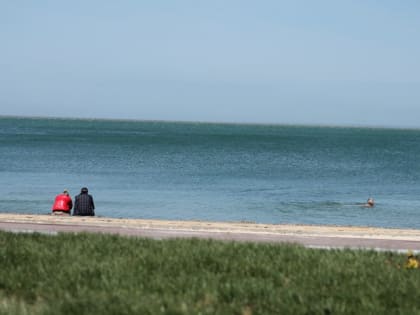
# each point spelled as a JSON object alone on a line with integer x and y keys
{"x": 371, "y": 202}
{"x": 65, "y": 192}
{"x": 84, "y": 190}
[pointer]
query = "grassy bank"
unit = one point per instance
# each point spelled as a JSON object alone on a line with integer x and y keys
{"x": 105, "y": 274}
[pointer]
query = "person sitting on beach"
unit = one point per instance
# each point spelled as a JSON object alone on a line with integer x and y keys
{"x": 62, "y": 204}
{"x": 369, "y": 203}
{"x": 83, "y": 204}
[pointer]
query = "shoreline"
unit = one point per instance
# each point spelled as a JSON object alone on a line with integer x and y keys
{"x": 316, "y": 236}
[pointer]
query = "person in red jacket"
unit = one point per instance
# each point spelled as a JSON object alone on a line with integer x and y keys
{"x": 62, "y": 203}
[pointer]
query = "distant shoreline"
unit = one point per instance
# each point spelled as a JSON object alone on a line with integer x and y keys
{"x": 228, "y": 123}
{"x": 307, "y": 235}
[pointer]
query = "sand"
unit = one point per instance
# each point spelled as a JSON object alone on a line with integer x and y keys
{"x": 307, "y": 235}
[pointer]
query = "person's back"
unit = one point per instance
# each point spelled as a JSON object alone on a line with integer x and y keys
{"x": 83, "y": 204}
{"x": 62, "y": 203}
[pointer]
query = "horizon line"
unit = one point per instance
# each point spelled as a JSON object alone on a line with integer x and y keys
{"x": 320, "y": 125}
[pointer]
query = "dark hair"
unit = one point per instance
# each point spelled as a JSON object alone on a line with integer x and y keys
{"x": 84, "y": 190}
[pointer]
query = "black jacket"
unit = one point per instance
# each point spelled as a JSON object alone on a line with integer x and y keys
{"x": 84, "y": 205}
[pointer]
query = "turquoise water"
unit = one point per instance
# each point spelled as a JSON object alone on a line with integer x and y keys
{"x": 258, "y": 173}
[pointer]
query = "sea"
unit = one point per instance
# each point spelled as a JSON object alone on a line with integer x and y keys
{"x": 274, "y": 174}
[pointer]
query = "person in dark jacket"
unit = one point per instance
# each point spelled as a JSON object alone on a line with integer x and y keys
{"x": 83, "y": 204}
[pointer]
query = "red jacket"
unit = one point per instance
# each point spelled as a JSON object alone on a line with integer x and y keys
{"x": 62, "y": 202}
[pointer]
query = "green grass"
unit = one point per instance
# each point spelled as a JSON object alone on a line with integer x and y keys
{"x": 105, "y": 274}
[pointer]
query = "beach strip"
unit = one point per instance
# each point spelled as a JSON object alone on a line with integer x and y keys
{"x": 308, "y": 235}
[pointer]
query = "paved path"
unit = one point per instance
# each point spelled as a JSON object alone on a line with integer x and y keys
{"x": 310, "y": 236}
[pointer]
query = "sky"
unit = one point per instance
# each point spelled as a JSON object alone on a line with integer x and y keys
{"x": 285, "y": 62}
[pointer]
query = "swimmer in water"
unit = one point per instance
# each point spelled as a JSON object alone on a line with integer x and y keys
{"x": 369, "y": 203}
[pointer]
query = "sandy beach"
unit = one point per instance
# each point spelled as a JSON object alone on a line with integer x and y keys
{"x": 307, "y": 235}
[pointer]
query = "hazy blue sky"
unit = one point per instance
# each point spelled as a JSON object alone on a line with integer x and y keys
{"x": 318, "y": 62}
